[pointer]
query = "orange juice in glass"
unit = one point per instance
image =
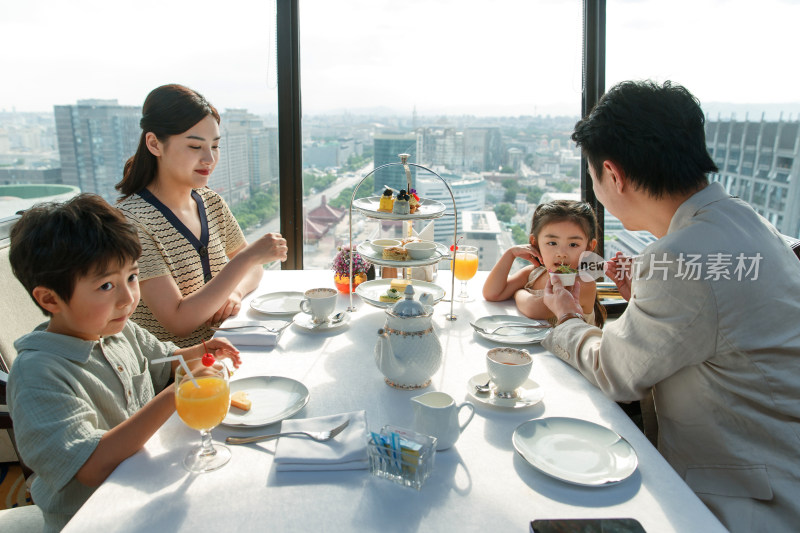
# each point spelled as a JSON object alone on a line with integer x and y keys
{"x": 202, "y": 404}
{"x": 465, "y": 265}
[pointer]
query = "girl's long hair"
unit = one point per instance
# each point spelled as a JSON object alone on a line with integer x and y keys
{"x": 579, "y": 213}
{"x": 168, "y": 110}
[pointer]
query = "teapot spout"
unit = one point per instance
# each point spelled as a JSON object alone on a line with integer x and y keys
{"x": 384, "y": 355}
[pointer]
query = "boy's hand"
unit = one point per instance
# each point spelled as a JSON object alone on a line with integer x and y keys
{"x": 221, "y": 348}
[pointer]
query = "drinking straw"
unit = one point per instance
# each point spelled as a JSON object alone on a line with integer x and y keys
{"x": 183, "y": 365}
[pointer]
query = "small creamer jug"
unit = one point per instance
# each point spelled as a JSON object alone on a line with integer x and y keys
{"x": 436, "y": 414}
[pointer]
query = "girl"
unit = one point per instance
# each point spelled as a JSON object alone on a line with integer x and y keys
{"x": 196, "y": 265}
{"x": 560, "y": 231}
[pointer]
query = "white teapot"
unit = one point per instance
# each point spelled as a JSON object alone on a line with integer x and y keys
{"x": 408, "y": 352}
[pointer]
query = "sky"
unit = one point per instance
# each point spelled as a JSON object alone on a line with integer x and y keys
{"x": 438, "y": 57}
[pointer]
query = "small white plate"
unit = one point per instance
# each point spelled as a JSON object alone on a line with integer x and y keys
{"x": 370, "y": 291}
{"x": 370, "y": 254}
{"x": 304, "y": 321}
{"x": 575, "y": 451}
{"x": 529, "y": 394}
{"x": 278, "y": 303}
{"x": 510, "y": 335}
{"x": 274, "y": 399}
{"x": 427, "y": 209}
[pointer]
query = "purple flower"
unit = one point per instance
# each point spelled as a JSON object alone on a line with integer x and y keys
{"x": 341, "y": 263}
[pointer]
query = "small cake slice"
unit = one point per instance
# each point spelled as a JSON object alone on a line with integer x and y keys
{"x": 395, "y": 253}
{"x": 239, "y": 399}
{"x": 400, "y": 284}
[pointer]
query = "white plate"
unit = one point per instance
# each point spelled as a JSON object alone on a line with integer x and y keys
{"x": 427, "y": 209}
{"x": 274, "y": 399}
{"x": 304, "y": 321}
{"x": 529, "y": 394}
{"x": 370, "y": 254}
{"x": 510, "y": 335}
{"x": 575, "y": 451}
{"x": 370, "y": 291}
{"x": 278, "y": 303}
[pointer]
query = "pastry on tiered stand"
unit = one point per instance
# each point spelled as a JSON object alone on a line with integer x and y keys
{"x": 401, "y": 206}
{"x": 413, "y": 202}
{"x": 386, "y": 202}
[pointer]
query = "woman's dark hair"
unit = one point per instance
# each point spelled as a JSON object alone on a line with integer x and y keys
{"x": 655, "y": 133}
{"x": 54, "y": 244}
{"x": 579, "y": 213}
{"x": 168, "y": 110}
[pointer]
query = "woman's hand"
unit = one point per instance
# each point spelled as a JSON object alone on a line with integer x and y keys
{"x": 619, "y": 270}
{"x": 561, "y": 300}
{"x": 269, "y": 247}
{"x": 229, "y": 308}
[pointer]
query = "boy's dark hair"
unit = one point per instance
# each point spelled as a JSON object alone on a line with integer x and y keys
{"x": 655, "y": 133}
{"x": 54, "y": 244}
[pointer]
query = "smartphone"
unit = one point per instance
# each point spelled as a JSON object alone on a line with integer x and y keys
{"x": 587, "y": 525}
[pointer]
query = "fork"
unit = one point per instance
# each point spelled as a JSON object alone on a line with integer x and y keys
{"x": 486, "y": 331}
{"x": 269, "y": 329}
{"x": 320, "y": 436}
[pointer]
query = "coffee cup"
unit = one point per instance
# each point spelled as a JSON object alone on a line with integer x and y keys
{"x": 508, "y": 369}
{"x": 319, "y": 303}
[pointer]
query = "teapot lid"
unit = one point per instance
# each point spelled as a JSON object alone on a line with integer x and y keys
{"x": 408, "y": 307}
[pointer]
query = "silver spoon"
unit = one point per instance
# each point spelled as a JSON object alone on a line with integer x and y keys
{"x": 483, "y": 388}
{"x": 335, "y": 319}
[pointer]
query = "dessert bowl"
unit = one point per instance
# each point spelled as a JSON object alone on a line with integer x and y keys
{"x": 421, "y": 249}
{"x": 567, "y": 280}
{"x": 379, "y": 244}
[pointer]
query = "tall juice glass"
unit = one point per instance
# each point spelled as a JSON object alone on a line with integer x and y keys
{"x": 202, "y": 407}
{"x": 465, "y": 265}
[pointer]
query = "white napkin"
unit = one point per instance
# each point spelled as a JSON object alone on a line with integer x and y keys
{"x": 253, "y": 335}
{"x": 428, "y": 272}
{"x": 346, "y": 451}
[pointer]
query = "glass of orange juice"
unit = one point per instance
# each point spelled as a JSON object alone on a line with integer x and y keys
{"x": 202, "y": 404}
{"x": 465, "y": 265}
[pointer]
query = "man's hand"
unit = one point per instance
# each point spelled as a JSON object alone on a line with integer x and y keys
{"x": 619, "y": 270}
{"x": 561, "y": 300}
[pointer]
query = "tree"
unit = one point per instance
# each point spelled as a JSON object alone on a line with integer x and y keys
{"x": 504, "y": 212}
{"x": 519, "y": 235}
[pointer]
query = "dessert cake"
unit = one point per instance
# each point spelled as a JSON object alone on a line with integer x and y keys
{"x": 401, "y": 205}
{"x": 386, "y": 202}
{"x": 391, "y": 295}
{"x": 395, "y": 253}
{"x": 239, "y": 399}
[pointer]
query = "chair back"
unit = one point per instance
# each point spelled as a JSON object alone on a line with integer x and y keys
{"x": 18, "y": 312}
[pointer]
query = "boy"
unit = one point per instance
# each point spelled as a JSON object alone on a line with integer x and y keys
{"x": 82, "y": 391}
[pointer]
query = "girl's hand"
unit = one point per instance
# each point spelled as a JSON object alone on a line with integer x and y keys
{"x": 619, "y": 270}
{"x": 229, "y": 308}
{"x": 221, "y": 348}
{"x": 527, "y": 252}
{"x": 561, "y": 300}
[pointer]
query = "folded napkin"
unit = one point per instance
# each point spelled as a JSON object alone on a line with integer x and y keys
{"x": 250, "y": 335}
{"x": 346, "y": 451}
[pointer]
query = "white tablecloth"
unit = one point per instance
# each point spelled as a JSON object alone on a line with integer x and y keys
{"x": 480, "y": 483}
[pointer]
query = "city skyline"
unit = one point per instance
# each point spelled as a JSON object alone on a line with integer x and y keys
{"x": 471, "y": 60}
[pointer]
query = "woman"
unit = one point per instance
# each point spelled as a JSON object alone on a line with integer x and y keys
{"x": 196, "y": 265}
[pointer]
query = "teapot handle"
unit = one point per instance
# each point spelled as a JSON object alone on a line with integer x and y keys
{"x": 469, "y": 419}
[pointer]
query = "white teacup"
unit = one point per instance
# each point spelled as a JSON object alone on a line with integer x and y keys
{"x": 508, "y": 369}
{"x": 319, "y": 303}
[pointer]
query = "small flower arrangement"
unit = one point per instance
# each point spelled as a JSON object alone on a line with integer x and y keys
{"x": 341, "y": 269}
{"x": 341, "y": 263}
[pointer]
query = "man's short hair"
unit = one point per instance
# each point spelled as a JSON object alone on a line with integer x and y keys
{"x": 54, "y": 244}
{"x": 655, "y": 134}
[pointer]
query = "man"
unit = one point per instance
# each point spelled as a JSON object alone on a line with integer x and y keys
{"x": 712, "y": 318}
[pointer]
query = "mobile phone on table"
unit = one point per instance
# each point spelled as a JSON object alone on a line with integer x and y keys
{"x": 587, "y": 525}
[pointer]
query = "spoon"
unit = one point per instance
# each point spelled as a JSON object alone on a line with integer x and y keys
{"x": 335, "y": 319}
{"x": 483, "y": 388}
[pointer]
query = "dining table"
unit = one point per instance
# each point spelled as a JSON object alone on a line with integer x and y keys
{"x": 481, "y": 483}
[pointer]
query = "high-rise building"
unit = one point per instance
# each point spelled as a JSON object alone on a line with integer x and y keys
{"x": 760, "y": 162}
{"x": 388, "y": 146}
{"x": 95, "y": 139}
{"x": 483, "y": 149}
{"x": 469, "y": 191}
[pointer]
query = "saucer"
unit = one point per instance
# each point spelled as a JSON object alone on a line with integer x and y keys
{"x": 530, "y": 393}
{"x": 304, "y": 321}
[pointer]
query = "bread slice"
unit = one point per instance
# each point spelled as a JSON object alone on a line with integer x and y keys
{"x": 239, "y": 399}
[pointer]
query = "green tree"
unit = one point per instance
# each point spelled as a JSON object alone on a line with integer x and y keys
{"x": 519, "y": 235}
{"x": 504, "y": 212}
